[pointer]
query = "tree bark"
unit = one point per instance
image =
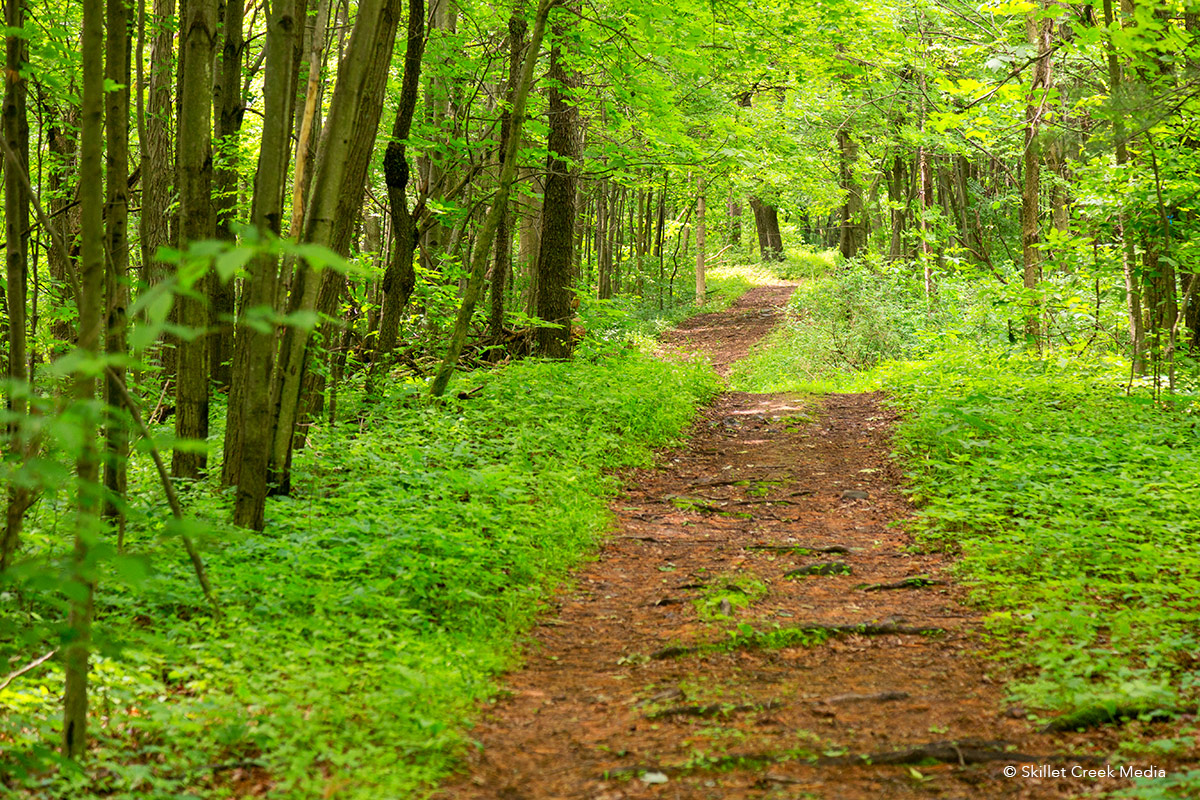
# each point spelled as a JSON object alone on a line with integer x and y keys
{"x": 852, "y": 235}
{"x": 556, "y": 248}
{"x": 701, "y": 288}
{"x": 400, "y": 278}
{"x": 1038, "y": 32}
{"x": 197, "y": 40}
{"x": 156, "y": 147}
{"x": 229, "y": 109}
{"x": 254, "y": 346}
{"x": 502, "y": 264}
{"x": 336, "y": 196}
{"x": 16, "y": 263}
{"x": 91, "y": 325}
{"x": 116, "y": 217}
{"x": 766, "y": 222}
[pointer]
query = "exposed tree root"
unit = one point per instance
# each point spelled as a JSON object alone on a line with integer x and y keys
{"x": 963, "y": 752}
{"x": 915, "y": 582}
{"x": 1095, "y": 716}
{"x": 712, "y": 710}
{"x": 878, "y": 697}
{"x": 802, "y": 635}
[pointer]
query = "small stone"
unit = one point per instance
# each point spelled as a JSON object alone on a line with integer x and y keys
{"x": 855, "y": 494}
{"x": 654, "y": 777}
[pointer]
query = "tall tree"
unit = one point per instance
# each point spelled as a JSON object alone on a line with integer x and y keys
{"x": 400, "y": 278}
{"x": 229, "y": 109}
{"x": 1039, "y": 28}
{"x": 116, "y": 217}
{"x": 154, "y": 222}
{"x": 556, "y": 248}
{"x": 487, "y": 231}
{"x": 91, "y": 325}
{"x": 246, "y": 455}
{"x": 337, "y": 189}
{"x": 197, "y": 32}
{"x": 701, "y": 232}
{"x": 502, "y": 264}
{"x": 766, "y": 222}
{"x": 16, "y": 258}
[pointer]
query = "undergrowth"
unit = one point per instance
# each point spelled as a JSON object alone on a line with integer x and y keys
{"x": 361, "y": 627}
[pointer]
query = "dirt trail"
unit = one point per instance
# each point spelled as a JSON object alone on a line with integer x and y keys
{"x": 693, "y": 659}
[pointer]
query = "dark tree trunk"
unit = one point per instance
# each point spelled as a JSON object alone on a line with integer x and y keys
{"x": 556, "y": 254}
{"x": 228, "y": 112}
{"x": 116, "y": 214}
{"x": 76, "y": 652}
{"x": 766, "y": 221}
{"x": 246, "y": 465}
{"x": 154, "y": 222}
{"x": 16, "y": 261}
{"x": 197, "y": 40}
{"x": 852, "y": 233}
{"x": 400, "y": 278}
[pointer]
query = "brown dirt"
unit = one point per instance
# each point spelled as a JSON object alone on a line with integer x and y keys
{"x": 727, "y": 336}
{"x": 601, "y": 710}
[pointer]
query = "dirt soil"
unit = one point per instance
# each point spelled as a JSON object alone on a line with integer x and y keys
{"x": 695, "y": 658}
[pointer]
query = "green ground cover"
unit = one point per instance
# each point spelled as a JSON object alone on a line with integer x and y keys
{"x": 363, "y": 625}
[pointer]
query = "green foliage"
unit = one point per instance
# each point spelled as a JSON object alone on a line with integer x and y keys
{"x": 803, "y": 263}
{"x": 365, "y": 622}
{"x": 1073, "y": 506}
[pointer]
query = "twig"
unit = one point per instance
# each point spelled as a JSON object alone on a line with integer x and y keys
{"x": 169, "y": 488}
{"x": 32, "y": 665}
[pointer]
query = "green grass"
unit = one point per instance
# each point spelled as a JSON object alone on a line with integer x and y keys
{"x": 372, "y": 614}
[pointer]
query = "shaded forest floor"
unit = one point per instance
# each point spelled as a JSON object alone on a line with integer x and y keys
{"x": 758, "y": 626}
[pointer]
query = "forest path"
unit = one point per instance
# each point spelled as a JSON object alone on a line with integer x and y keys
{"x": 692, "y": 659}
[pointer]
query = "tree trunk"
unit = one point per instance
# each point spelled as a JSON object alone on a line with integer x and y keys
{"x": 766, "y": 221}
{"x": 1038, "y": 32}
{"x": 556, "y": 248}
{"x": 16, "y": 264}
{"x": 439, "y": 115}
{"x": 502, "y": 264}
{"x": 852, "y": 235}
{"x": 116, "y": 213}
{"x": 701, "y": 289}
{"x": 228, "y": 112}
{"x": 400, "y": 278}
{"x": 733, "y": 210}
{"x": 1128, "y": 258}
{"x": 603, "y": 251}
{"x": 197, "y": 40}
{"x": 254, "y": 356}
{"x": 336, "y": 196}
{"x": 156, "y": 147}
{"x": 91, "y": 325}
